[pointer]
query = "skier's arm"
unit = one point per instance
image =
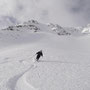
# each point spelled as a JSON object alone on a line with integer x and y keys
{"x": 37, "y": 53}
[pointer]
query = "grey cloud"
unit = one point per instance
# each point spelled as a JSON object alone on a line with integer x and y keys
{"x": 7, "y": 20}
{"x": 81, "y": 10}
{"x": 63, "y": 12}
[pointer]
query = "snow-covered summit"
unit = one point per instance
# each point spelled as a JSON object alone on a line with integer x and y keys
{"x": 30, "y": 25}
{"x": 31, "y": 22}
{"x": 58, "y": 29}
{"x": 86, "y": 30}
{"x": 35, "y": 26}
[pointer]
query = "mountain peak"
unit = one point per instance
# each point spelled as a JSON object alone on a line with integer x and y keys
{"x": 35, "y": 26}
{"x": 31, "y": 22}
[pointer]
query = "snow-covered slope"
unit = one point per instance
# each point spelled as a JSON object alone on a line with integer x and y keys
{"x": 86, "y": 30}
{"x": 64, "y": 66}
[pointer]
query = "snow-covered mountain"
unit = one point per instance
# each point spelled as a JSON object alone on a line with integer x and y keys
{"x": 86, "y": 29}
{"x": 35, "y": 26}
{"x": 64, "y": 66}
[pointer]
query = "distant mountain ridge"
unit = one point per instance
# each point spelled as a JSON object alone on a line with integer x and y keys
{"x": 35, "y": 26}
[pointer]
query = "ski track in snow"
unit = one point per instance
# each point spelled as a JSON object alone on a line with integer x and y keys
{"x": 22, "y": 83}
{"x": 18, "y": 81}
{"x": 10, "y": 82}
{"x": 13, "y": 69}
{"x": 13, "y": 81}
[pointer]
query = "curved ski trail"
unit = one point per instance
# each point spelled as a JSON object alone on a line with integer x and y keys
{"x": 21, "y": 83}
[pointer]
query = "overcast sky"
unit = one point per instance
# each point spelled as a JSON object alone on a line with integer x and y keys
{"x": 63, "y": 12}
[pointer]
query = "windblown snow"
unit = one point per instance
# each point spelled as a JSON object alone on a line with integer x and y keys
{"x": 64, "y": 66}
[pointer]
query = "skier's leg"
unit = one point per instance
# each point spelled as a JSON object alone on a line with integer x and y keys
{"x": 38, "y": 58}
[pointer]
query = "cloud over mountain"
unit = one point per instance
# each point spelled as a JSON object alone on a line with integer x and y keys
{"x": 66, "y": 13}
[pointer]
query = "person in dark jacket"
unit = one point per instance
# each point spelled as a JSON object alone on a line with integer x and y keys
{"x": 39, "y": 54}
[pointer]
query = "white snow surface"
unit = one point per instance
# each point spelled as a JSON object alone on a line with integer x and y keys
{"x": 64, "y": 66}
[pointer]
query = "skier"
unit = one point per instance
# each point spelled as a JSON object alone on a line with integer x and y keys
{"x": 39, "y": 54}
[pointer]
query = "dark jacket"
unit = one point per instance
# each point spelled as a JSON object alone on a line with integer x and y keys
{"x": 39, "y": 54}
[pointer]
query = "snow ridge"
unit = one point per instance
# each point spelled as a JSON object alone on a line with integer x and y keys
{"x": 35, "y": 26}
